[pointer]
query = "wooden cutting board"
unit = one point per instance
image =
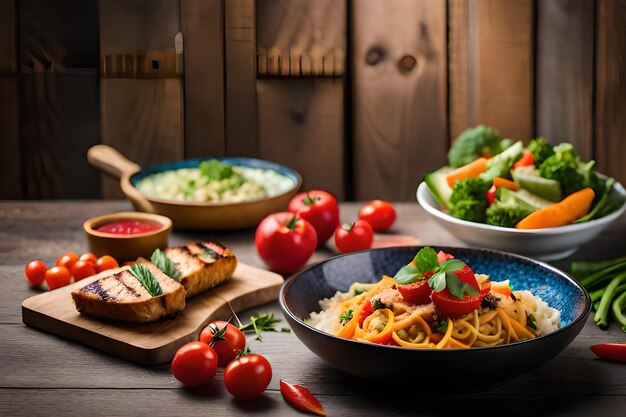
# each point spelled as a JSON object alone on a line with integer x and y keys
{"x": 152, "y": 343}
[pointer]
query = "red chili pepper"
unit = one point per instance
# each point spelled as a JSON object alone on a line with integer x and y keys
{"x": 611, "y": 351}
{"x": 301, "y": 398}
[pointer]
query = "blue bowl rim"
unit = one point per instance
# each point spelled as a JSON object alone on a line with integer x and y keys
{"x": 581, "y": 317}
{"x": 290, "y": 173}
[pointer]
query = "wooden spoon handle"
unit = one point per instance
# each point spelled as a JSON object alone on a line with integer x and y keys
{"x": 110, "y": 161}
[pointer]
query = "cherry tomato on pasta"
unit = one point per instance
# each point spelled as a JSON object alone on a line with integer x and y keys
{"x": 416, "y": 293}
{"x": 354, "y": 237}
{"x": 57, "y": 277}
{"x": 227, "y": 342}
{"x": 453, "y": 307}
{"x": 247, "y": 378}
{"x": 379, "y": 214}
{"x": 35, "y": 272}
{"x": 194, "y": 364}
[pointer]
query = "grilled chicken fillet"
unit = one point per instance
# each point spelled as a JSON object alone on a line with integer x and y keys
{"x": 120, "y": 296}
{"x": 202, "y": 265}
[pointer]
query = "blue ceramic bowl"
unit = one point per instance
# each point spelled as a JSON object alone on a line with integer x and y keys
{"x": 457, "y": 368}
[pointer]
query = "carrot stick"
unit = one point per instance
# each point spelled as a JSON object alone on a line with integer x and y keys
{"x": 471, "y": 170}
{"x": 503, "y": 182}
{"x": 559, "y": 214}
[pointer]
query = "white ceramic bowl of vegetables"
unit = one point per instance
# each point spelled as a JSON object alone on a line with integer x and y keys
{"x": 543, "y": 189}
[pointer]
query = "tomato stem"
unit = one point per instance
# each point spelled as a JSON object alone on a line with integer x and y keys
{"x": 292, "y": 223}
{"x": 348, "y": 226}
{"x": 309, "y": 201}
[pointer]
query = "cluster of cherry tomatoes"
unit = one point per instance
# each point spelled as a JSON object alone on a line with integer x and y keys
{"x": 286, "y": 240}
{"x": 221, "y": 344}
{"x": 67, "y": 266}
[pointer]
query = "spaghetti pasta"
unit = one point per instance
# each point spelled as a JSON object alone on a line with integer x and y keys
{"x": 394, "y": 321}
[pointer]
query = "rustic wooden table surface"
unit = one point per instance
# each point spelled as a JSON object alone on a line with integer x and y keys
{"x": 41, "y": 374}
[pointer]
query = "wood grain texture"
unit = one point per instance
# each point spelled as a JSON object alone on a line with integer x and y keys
{"x": 610, "y": 132}
{"x": 301, "y": 37}
{"x": 154, "y": 343}
{"x": 203, "y": 29}
{"x": 241, "y": 101}
{"x": 301, "y": 126}
{"x": 574, "y": 383}
{"x": 491, "y": 66}
{"x": 141, "y": 118}
{"x": 399, "y": 114}
{"x": 59, "y": 104}
{"x": 564, "y": 73}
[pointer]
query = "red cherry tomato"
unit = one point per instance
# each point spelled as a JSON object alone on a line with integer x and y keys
{"x": 285, "y": 242}
{"x": 89, "y": 257}
{"x": 452, "y": 306}
{"x": 320, "y": 209}
{"x": 106, "y": 262}
{"x": 227, "y": 343}
{"x": 366, "y": 310}
{"x": 416, "y": 293}
{"x": 57, "y": 277}
{"x": 82, "y": 269}
{"x": 379, "y": 214}
{"x": 491, "y": 195}
{"x": 67, "y": 260}
{"x": 247, "y": 378}
{"x": 195, "y": 363}
{"x": 35, "y": 272}
{"x": 442, "y": 256}
{"x": 354, "y": 237}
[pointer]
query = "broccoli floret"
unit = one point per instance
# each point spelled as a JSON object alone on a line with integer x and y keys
{"x": 474, "y": 143}
{"x": 566, "y": 167}
{"x": 469, "y": 199}
{"x": 541, "y": 150}
{"x": 506, "y": 214}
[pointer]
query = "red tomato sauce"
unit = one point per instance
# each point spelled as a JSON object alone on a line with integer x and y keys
{"x": 130, "y": 227}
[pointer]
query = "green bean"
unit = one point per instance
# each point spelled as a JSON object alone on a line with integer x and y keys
{"x": 605, "y": 302}
{"x": 618, "y": 306}
{"x": 601, "y": 276}
{"x": 597, "y": 294}
{"x": 581, "y": 269}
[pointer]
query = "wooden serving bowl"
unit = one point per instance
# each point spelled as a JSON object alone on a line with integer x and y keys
{"x": 127, "y": 247}
{"x": 191, "y": 214}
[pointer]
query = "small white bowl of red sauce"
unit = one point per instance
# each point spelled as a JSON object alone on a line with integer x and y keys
{"x": 127, "y": 235}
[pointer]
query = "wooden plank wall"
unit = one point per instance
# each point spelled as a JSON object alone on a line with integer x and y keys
{"x": 58, "y": 90}
{"x": 301, "y": 118}
{"x": 400, "y": 95}
{"x": 362, "y": 96}
{"x": 141, "y": 104}
{"x": 491, "y": 66}
{"x": 203, "y": 28}
{"x": 10, "y": 153}
{"x": 564, "y": 64}
{"x": 610, "y": 103}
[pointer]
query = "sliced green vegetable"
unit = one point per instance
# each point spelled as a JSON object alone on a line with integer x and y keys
{"x": 528, "y": 178}
{"x": 500, "y": 165}
{"x": 438, "y": 186}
